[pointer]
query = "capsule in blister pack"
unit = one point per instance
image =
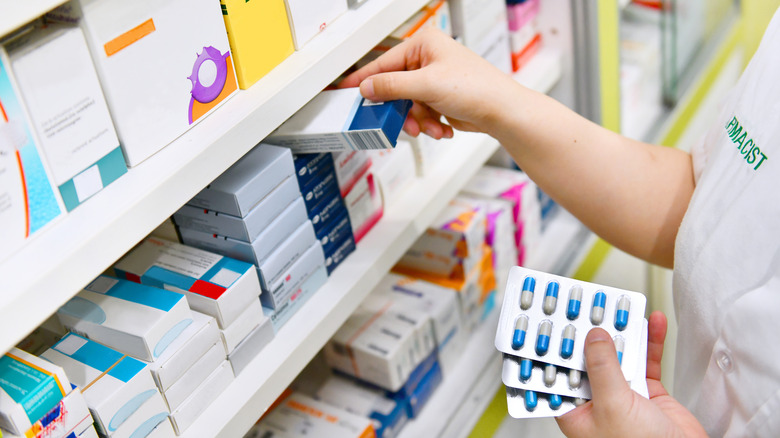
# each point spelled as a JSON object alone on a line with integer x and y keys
{"x": 533, "y": 404}
{"x": 546, "y": 317}
{"x": 542, "y": 377}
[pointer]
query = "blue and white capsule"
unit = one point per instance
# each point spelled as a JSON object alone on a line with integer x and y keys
{"x": 526, "y": 368}
{"x": 575, "y": 302}
{"x": 621, "y": 312}
{"x": 543, "y": 337}
{"x": 531, "y": 400}
{"x": 527, "y": 295}
{"x": 555, "y": 401}
{"x": 567, "y": 341}
{"x": 579, "y": 401}
{"x": 550, "y": 297}
{"x": 521, "y": 327}
{"x": 597, "y": 311}
{"x": 620, "y": 345}
{"x": 549, "y": 375}
{"x": 575, "y": 378}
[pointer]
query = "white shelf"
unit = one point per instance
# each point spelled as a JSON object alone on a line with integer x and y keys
{"x": 52, "y": 267}
{"x": 15, "y": 13}
{"x": 245, "y": 400}
{"x": 460, "y": 389}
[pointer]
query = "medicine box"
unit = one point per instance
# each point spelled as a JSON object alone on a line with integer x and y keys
{"x": 240, "y": 188}
{"x": 163, "y": 66}
{"x": 307, "y": 19}
{"x": 250, "y": 347}
{"x": 245, "y": 229}
{"x": 320, "y": 189}
{"x": 301, "y": 415}
{"x": 70, "y": 416}
{"x": 364, "y": 206}
{"x": 482, "y": 27}
{"x": 334, "y": 232}
{"x": 215, "y": 285}
{"x": 272, "y": 268}
{"x": 151, "y": 415}
{"x": 394, "y": 170}
{"x": 422, "y": 393}
{"x": 26, "y": 186}
{"x": 440, "y": 303}
{"x": 300, "y": 295}
{"x": 350, "y": 166}
{"x": 259, "y": 35}
{"x": 114, "y": 385}
{"x": 29, "y": 389}
{"x": 284, "y": 224}
{"x": 136, "y": 319}
{"x": 312, "y": 168}
{"x": 376, "y": 347}
{"x": 283, "y": 289}
{"x": 326, "y": 212}
{"x": 242, "y": 326}
{"x": 197, "y": 403}
{"x": 339, "y": 253}
{"x": 194, "y": 376}
{"x": 387, "y": 415}
{"x": 337, "y": 120}
{"x": 68, "y": 111}
{"x": 182, "y": 353}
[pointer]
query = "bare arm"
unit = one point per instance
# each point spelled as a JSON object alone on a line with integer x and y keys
{"x": 632, "y": 194}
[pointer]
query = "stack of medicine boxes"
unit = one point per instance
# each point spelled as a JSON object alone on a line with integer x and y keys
{"x": 254, "y": 212}
{"x": 38, "y": 400}
{"x": 390, "y": 343}
{"x": 452, "y": 253}
{"x": 327, "y": 212}
{"x": 223, "y": 288}
{"x": 118, "y": 328}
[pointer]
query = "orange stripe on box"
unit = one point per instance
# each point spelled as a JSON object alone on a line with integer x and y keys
{"x": 47, "y": 372}
{"x": 129, "y": 37}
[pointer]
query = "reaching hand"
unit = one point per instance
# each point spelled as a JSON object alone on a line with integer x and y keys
{"x": 617, "y": 411}
{"x": 442, "y": 77}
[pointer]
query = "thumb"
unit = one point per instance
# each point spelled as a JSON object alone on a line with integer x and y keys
{"x": 396, "y": 85}
{"x": 601, "y": 363}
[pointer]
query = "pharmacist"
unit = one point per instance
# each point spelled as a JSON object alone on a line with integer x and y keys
{"x": 713, "y": 215}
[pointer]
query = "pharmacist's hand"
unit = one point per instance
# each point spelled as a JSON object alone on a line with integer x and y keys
{"x": 616, "y": 410}
{"x": 442, "y": 77}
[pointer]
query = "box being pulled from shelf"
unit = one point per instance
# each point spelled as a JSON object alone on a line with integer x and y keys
{"x": 301, "y": 415}
{"x": 259, "y": 35}
{"x": 114, "y": 385}
{"x": 247, "y": 228}
{"x": 215, "y": 285}
{"x": 133, "y": 318}
{"x": 337, "y": 120}
{"x": 68, "y": 111}
{"x": 163, "y": 66}
{"x": 182, "y": 353}
{"x": 247, "y": 182}
{"x": 387, "y": 415}
{"x": 307, "y": 18}
{"x": 31, "y": 202}
{"x": 200, "y": 400}
{"x": 29, "y": 388}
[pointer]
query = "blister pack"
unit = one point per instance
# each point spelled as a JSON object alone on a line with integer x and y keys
{"x": 546, "y": 317}
{"x": 543, "y": 377}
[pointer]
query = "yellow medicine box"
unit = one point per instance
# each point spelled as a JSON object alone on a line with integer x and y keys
{"x": 259, "y": 35}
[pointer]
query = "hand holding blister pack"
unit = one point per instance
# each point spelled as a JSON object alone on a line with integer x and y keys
{"x": 541, "y": 331}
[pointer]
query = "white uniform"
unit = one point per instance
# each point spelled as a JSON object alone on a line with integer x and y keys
{"x": 727, "y": 261}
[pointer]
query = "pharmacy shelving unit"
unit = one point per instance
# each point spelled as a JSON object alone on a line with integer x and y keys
{"x": 55, "y": 265}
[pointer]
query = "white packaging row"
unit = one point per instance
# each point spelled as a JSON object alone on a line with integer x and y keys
{"x": 537, "y": 324}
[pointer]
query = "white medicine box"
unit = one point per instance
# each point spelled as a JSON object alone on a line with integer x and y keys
{"x": 308, "y": 18}
{"x": 68, "y": 112}
{"x": 163, "y": 65}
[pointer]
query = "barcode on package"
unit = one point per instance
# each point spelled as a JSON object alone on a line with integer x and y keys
{"x": 368, "y": 139}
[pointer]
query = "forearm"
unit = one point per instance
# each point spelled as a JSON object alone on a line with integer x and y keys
{"x": 630, "y": 193}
